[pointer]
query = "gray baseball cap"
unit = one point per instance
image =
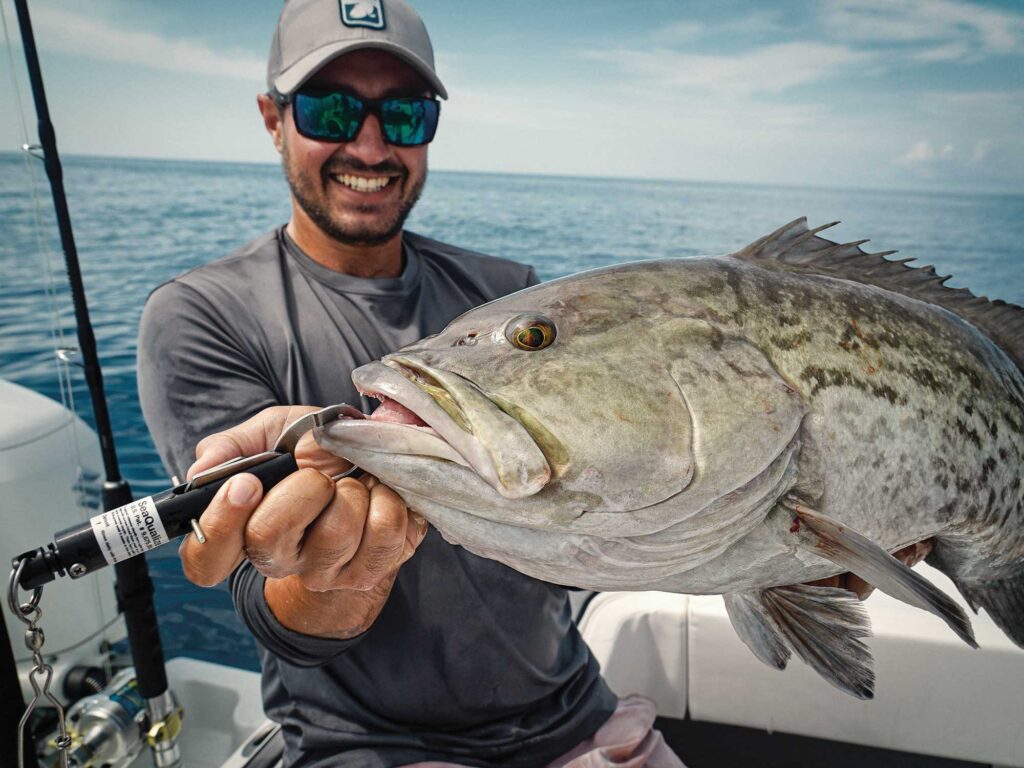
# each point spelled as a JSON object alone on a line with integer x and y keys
{"x": 311, "y": 33}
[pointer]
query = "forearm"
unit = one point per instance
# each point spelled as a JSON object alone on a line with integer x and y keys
{"x": 339, "y": 614}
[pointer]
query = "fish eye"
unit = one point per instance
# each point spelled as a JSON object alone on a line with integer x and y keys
{"x": 530, "y": 332}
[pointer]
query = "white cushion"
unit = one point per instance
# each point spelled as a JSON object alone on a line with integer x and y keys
{"x": 640, "y": 640}
{"x": 933, "y": 694}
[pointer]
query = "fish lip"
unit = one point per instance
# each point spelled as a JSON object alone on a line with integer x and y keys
{"x": 388, "y": 379}
{"x": 415, "y": 373}
{"x": 398, "y": 377}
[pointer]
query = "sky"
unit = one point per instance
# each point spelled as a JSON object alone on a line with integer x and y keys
{"x": 892, "y": 94}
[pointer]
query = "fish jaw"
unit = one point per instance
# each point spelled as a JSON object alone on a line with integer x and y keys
{"x": 462, "y": 425}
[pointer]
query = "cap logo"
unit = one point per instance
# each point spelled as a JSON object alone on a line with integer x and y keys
{"x": 362, "y": 13}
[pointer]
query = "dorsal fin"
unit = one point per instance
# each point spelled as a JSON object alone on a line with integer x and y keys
{"x": 802, "y": 248}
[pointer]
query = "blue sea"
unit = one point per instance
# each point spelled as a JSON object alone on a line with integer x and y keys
{"x": 139, "y": 222}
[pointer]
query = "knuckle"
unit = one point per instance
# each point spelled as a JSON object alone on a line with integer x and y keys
{"x": 387, "y": 519}
{"x": 316, "y": 581}
{"x": 259, "y": 536}
{"x": 357, "y": 582}
{"x": 216, "y": 527}
{"x": 314, "y": 477}
{"x": 390, "y": 525}
{"x": 353, "y": 492}
{"x": 268, "y": 566}
{"x": 325, "y": 558}
{"x": 341, "y": 532}
{"x": 381, "y": 558}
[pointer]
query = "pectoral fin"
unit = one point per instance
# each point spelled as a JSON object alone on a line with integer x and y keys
{"x": 859, "y": 555}
{"x": 823, "y": 625}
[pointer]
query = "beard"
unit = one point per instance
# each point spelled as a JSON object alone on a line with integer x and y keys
{"x": 312, "y": 196}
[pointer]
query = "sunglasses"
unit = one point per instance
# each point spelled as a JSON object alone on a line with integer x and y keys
{"x": 338, "y": 117}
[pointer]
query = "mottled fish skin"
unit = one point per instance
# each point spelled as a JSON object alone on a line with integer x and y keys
{"x": 914, "y": 423}
{"x": 682, "y": 399}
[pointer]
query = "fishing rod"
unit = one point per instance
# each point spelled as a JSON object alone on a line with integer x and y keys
{"x": 134, "y": 587}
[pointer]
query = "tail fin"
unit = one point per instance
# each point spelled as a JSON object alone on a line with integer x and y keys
{"x": 1003, "y": 599}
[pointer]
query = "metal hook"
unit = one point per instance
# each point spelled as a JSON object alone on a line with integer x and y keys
{"x": 290, "y": 437}
{"x": 22, "y": 610}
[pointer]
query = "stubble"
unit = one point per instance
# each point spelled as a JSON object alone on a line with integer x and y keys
{"x": 312, "y": 196}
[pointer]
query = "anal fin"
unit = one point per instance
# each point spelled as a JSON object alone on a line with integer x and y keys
{"x": 822, "y": 624}
{"x": 856, "y": 553}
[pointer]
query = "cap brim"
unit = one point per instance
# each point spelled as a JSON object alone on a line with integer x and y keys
{"x": 298, "y": 73}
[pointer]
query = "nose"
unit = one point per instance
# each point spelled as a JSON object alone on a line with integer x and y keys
{"x": 369, "y": 145}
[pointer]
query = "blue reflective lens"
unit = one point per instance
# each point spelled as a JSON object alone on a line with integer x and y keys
{"x": 338, "y": 117}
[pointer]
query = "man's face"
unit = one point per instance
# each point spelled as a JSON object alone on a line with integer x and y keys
{"x": 359, "y": 192}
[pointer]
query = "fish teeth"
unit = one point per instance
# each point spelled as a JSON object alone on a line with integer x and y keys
{"x": 363, "y": 184}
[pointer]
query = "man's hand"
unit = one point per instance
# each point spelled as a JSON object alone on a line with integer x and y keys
{"x": 330, "y": 550}
{"x": 910, "y": 555}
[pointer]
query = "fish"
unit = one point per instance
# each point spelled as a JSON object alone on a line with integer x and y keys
{"x": 737, "y": 425}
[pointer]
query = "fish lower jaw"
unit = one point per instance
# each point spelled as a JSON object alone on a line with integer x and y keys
{"x": 369, "y": 438}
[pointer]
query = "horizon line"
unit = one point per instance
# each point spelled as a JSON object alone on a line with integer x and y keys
{"x": 581, "y": 177}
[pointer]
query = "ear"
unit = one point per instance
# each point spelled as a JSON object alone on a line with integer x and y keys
{"x": 273, "y": 119}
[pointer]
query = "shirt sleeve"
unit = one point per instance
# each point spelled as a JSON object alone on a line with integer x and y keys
{"x": 293, "y": 647}
{"x": 197, "y": 376}
{"x": 531, "y": 278}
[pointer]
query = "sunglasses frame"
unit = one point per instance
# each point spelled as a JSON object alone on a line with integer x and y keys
{"x": 369, "y": 106}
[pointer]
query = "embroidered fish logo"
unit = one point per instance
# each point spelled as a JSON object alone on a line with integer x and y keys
{"x": 362, "y": 13}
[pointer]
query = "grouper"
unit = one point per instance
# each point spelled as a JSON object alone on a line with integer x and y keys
{"x": 737, "y": 425}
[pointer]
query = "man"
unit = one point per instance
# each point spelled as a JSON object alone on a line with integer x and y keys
{"x": 381, "y": 644}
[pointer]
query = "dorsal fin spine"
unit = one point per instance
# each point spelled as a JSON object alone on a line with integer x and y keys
{"x": 797, "y": 246}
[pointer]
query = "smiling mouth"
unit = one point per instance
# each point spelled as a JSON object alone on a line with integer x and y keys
{"x": 364, "y": 184}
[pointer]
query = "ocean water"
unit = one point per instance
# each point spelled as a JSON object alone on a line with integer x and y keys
{"x": 138, "y": 223}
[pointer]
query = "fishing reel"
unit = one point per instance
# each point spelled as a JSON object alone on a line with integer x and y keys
{"x": 109, "y": 729}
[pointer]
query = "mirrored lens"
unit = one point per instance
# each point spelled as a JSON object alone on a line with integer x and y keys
{"x": 331, "y": 116}
{"x": 409, "y": 122}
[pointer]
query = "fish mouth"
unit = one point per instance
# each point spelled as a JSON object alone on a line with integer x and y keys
{"x": 427, "y": 411}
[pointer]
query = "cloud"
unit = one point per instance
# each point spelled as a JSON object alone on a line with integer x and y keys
{"x": 768, "y": 70}
{"x": 924, "y": 153}
{"x": 91, "y": 37}
{"x": 981, "y": 129}
{"x": 927, "y": 160}
{"x": 962, "y": 28}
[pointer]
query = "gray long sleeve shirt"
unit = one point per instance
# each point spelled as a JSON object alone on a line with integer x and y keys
{"x": 469, "y": 661}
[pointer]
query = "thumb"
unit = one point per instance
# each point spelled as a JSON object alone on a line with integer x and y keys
{"x": 223, "y": 523}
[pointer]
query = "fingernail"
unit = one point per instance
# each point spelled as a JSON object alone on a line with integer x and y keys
{"x": 241, "y": 489}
